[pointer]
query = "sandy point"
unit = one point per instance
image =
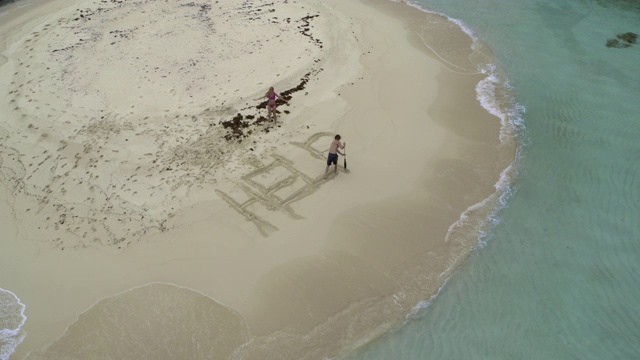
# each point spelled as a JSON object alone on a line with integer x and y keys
{"x": 133, "y": 151}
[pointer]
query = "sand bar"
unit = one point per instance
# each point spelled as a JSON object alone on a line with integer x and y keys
{"x": 125, "y": 163}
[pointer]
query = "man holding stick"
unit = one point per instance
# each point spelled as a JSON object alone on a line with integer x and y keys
{"x": 333, "y": 155}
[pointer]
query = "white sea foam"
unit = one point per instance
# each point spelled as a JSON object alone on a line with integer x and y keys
{"x": 419, "y": 309}
{"x": 510, "y": 114}
{"x": 12, "y": 319}
{"x": 493, "y": 94}
{"x": 460, "y": 24}
{"x": 505, "y": 191}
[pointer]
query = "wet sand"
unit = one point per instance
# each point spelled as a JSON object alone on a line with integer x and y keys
{"x": 134, "y": 152}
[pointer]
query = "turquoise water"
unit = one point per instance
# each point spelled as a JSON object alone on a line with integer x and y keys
{"x": 559, "y": 275}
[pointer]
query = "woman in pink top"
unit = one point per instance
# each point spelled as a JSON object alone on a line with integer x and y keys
{"x": 271, "y": 96}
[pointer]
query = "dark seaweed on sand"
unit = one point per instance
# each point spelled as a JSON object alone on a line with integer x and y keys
{"x": 241, "y": 125}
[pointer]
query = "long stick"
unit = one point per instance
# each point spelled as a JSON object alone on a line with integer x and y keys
{"x": 345, "y": 156}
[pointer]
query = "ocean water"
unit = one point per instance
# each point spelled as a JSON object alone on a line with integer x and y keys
{"x": 9, "y": 5}
{"x": 153, "y": 321}
{"x": 558, "y": 275}
{"x": 12, "y": 319}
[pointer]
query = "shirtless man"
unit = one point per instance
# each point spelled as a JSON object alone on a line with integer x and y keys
{"x": 333, "y": 155}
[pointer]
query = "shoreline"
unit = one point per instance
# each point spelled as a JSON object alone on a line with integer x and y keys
{"x": 281, "y": 261}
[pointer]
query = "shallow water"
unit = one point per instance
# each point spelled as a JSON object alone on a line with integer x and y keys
{"x": 558, "y": 277}
{"x": 154, "y": 321}
{"x": 12, "y": 319}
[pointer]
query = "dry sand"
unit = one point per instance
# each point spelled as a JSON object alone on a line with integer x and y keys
{"x": 126, "y": 168}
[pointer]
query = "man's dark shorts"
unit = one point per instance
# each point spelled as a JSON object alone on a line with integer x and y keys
{"x": 332, "y": 159}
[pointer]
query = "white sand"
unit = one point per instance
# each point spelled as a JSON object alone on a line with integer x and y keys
{"x": 117, "y": 173}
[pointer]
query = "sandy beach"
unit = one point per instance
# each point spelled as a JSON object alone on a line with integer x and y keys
{"x": 150, "y": 210}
